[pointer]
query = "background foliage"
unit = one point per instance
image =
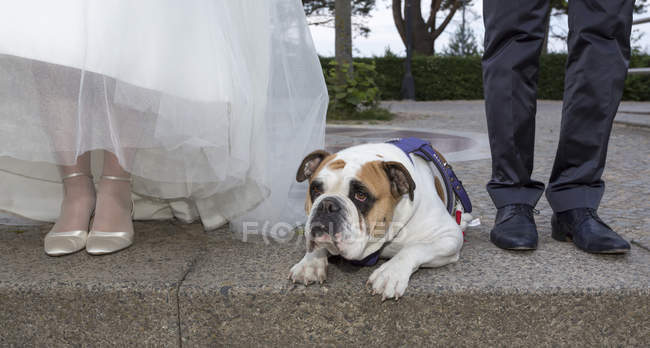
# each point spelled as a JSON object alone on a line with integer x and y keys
{"x": 356, "y": 91}
{"x": 356, "y": 95}
{"x": 451, "y": 77}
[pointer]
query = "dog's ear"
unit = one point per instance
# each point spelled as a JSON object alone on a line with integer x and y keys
{"x": 401, "y": 181}
{"x": 309, "y": 164}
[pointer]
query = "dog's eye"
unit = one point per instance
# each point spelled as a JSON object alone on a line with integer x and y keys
{"x": 360, "y": 196}
{"x": 315, "y": 192}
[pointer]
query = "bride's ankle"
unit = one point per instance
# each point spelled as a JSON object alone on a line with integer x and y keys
{"x": 114, "y": 206}
{"x": 79, "y": 189}
{"x": 77, "y": 205}
{"x": 115, "y": 191}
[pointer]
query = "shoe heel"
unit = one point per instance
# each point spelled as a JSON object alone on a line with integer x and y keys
{"x": 557, "y": 232}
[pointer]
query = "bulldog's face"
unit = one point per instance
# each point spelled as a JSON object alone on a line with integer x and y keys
{"x": 351, "y": 200}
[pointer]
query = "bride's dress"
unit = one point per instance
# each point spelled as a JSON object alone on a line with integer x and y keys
{"x": 210, "y": 104}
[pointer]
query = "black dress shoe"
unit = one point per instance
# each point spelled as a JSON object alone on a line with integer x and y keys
{"x": 514, "y": 228}
{"x": 588, "y": 232}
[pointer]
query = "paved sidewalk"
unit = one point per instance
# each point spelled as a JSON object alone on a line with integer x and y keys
{"x": 180, "y": 286}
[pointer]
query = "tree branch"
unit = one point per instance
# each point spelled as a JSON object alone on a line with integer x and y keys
{"x": 435, "y": 7}
{"x": 444, "y": 24}
{"x": 319, "y": 21}
{"x": 399, "y": 20}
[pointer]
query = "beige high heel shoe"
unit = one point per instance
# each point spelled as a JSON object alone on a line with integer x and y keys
{"x": 66, "y": 242}
{"x": 101, "y": 243}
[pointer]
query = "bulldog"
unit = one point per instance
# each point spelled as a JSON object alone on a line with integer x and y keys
{"x": 375, "y": 198}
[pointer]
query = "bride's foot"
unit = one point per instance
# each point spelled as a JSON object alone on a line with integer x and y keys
{"x": 69, "y": 233}
{"x": 112, "y": 228}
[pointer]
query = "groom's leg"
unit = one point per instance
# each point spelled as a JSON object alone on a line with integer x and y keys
{"x": 599, "y": 53}
{"x": 514, "y": 35}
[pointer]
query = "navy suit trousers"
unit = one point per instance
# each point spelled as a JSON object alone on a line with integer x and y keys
{"x": 598, "y": 59}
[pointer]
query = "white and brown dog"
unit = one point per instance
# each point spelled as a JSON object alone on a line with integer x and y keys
{"x": 370, "y": 198}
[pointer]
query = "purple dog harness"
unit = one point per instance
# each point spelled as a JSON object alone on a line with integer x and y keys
{"x": 424, "y": 149}
{"x": 453, "y": 186}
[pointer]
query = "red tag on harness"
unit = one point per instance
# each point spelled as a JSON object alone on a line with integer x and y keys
{"x": 458, "y": 215}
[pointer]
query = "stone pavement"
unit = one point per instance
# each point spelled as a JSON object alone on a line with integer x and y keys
{"x": 180, "y": 286}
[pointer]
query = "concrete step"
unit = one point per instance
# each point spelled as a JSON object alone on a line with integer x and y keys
{"x": 633, "y": 114}
{"x": 180, "y": 286}
{"x": 130, "y": 298}
{"x": 633, "y": 118}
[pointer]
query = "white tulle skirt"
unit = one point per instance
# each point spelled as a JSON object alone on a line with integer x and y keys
{"x": 210, "y": 104}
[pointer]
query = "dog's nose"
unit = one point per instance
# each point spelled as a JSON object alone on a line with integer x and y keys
{"x": 329, "y": 206}
{"x": 318, "y": 229}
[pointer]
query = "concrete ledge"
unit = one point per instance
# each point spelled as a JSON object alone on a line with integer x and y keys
{"x": 556, "y": 295}
{"x": 633, "y": 114}
{"x": 180, "y": 286}
{"x": 129, "y": 298}
{"x": 633, "y": 119}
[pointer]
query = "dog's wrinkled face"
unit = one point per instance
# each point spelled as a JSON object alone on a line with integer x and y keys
{"x": 351, "y": 199}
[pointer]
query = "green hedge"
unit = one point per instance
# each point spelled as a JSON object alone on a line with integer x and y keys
{"x": 448, "y": 78}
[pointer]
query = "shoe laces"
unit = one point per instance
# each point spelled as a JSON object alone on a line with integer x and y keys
{"x": 592, "y": 212}
{"x": 516, "y": 210}
{"x": 587, "y": 213}
{"x": 525, "y": 209}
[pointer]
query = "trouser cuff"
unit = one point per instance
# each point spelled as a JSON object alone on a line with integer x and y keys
{"x": 576, "y": 197}
{"x": 503, "y": 196}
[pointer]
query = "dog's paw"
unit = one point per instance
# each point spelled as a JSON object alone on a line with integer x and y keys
{"x": 309, "y": 270}
{"x": 390, "y": 280}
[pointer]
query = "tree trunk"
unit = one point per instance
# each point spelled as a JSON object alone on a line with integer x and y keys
{"x": 343, "y": 36}
{"x": 423, "y": 42}
{"x": 425, "y": 33}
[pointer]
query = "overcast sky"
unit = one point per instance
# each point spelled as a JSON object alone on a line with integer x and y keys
{"x": 384, "y": 34}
